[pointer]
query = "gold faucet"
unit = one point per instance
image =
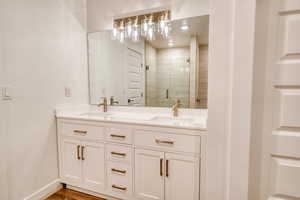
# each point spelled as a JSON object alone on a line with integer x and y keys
{"x": 175, "y": 108}
{"x": 112, "y": 101}
{"x": 104, "y": 104}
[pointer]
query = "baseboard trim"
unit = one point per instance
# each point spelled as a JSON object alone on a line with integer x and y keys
{"x": 45, "y": 191}
{"x": 92, "y": 193}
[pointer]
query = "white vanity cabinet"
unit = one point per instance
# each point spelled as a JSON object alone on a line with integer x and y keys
{"x": 149, "y": 177}
{"x": 182, "y": 177}
{"x": 130, "y": 161}
{"x": 80, "y": 163}
{"x": 171, "y": 170}
{"x": 168, "y": 176}
{"x": 82, "y": 155}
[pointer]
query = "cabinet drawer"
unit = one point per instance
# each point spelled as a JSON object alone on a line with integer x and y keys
{"x": 119, "y": 135}
{"x": 120, "y": 175}
{"x": 118, "y": 182}
{"x": 119, "y": 153}
{"x": 82, "y": 130}
{"x": 167, "y": 141}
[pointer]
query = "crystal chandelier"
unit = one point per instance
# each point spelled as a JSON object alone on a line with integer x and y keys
{"x": 148, "y": 26}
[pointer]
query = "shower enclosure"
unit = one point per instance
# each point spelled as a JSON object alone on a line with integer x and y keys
{"x": 167, "y": 76}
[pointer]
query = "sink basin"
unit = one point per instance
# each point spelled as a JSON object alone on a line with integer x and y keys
{"x": 172, "y": 119}
{"x": 96, "y": 114}
{"x": 132, "y": 116}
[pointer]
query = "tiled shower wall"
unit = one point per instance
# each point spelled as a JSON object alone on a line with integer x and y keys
{"x": 169, "y": 69}
{"x": 151, "y": 96}
{"x": 173, "y": 75}
{"x": 203, "y": 76}
{"x": 168, "y": 72}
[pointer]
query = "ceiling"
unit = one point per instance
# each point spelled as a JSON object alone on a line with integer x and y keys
{"x": 198, "y": 26}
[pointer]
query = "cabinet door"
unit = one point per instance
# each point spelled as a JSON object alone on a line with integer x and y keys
{"x": 149, "y": 177}
{"x": 93, "y": 168}
{"x": 71, "y": 161}
{"x": 181, "y": 177}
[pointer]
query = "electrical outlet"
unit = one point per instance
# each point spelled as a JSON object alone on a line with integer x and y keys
{"x": 68, "y": 92}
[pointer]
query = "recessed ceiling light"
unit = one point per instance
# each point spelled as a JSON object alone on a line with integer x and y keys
{"x": 171, "y": 44}
{"x": 184, "y": 26}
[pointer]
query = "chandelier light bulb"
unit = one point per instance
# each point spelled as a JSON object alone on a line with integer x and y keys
{"x": 129, "y": 28}
{"x": 162, "y": 24}
{"x": 166, "y": 31}
{"x": 136, "y": 30}
{"x": 151, "y": 34}
{"x": 144, "y": 26}
{"x": 122, "y": 31}
{"x": 115, "y": 31}
{"x": 151, "y": 29}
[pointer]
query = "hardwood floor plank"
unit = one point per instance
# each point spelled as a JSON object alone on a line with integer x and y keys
{"x": 67, "y": 194}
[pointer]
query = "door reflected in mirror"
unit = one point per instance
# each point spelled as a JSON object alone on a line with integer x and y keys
{"x": 152, "y": 73}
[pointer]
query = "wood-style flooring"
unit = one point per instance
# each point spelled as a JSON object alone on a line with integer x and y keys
{"x": 67, "y": 194}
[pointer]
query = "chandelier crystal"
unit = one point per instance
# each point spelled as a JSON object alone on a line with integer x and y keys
{"x": 148, "y": 26}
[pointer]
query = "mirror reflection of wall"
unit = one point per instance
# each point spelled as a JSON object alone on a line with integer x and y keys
{"x": 116, "y": 70}
{"x": 153, "y": 73}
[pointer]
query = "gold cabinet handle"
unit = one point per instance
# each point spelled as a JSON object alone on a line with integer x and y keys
{"x": 78, "y": 154}
{"x": 164, "y": 142}
{"x": 118, "y": 136}
{"x": 80, "y": 132}
{"x": 82, "y": 153}
{"x": 119, "y": 187}
{"x": 161, "y": 167}
{"x": 118, "y": 171}
{"x": 118, "y": 154}
{"x": 167, "y": 168}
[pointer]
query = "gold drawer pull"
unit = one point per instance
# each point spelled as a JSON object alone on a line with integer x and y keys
{"x": 161, "y": 167}
{"x": 119, "y": 188}
{"x": 164, "y": 142}
{"x": 167, "y": 168}
{"x": 80, "y": 132}
{"x": 118, "y": 171}
{"x": 118, "y": 136}
{"x": 82, "y": 153}
{"x": 78, "y": 154}
{"x": 118, "y": 154}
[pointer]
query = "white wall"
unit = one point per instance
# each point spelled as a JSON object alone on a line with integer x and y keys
{"x": 259, "y": 72}
{"x": 106, "y": 59}
{"x": 241, "y": 99}
{"x": 44, "y": 49}
{"x": 3, "y": 132}
{"x": 102, "y": 12}
{"x": 229, "y": 98}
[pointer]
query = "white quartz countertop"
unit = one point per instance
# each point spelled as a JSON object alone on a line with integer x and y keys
{"x": 188, "y": 118}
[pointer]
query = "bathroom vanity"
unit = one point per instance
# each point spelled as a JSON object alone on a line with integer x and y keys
{"x": 133, "y": 154}
{"x": 141, "y": 149}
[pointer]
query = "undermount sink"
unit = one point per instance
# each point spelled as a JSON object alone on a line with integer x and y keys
{"x": 137, "y": 116}
{"x": 96, "y": 114}
{"x": 172, "y": 119}
{"x": 120, "y": 115}
{"x": 132, "y": 116}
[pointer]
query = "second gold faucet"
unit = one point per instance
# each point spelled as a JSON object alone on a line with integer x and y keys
{"x": 175, "y": 108}
{"x": 104, "y": 104}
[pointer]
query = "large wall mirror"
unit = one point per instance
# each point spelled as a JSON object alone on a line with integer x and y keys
{"x": 153, "y": 73}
